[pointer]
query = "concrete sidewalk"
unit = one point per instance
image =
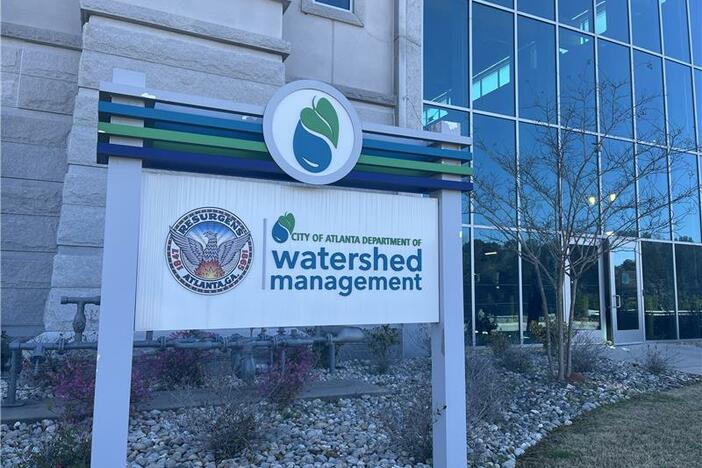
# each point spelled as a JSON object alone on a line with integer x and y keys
{"x": 34, "y": 410}
{"x": 685, "y": 356}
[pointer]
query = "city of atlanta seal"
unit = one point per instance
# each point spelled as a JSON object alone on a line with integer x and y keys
{"x": 209, "y": 250}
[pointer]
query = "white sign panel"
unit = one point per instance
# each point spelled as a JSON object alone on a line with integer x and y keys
{"x": 217, "y": 252}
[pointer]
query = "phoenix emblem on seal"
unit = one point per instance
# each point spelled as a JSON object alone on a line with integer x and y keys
{"x": 209, "y": 250}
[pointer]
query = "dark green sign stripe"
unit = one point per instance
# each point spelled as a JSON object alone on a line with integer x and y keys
{"x": 260, "y": 147}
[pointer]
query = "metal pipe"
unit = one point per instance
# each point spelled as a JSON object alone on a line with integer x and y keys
{"x": 15, "y": 364}
{"x": 237, "y": 344}
{"x": 79, "y": 321}
{"x": 332, "y": 353}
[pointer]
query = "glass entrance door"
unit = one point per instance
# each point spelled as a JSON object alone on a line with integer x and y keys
{"x": 625, "y": 293}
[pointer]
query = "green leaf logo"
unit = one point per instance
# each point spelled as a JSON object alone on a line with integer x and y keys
{"x": 322, "y": 118}
{"x": 287, "y": 221}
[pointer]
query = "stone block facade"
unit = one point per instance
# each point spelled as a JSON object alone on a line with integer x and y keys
{"x": 39, "y": 85}
{"x": 53, "y": 191}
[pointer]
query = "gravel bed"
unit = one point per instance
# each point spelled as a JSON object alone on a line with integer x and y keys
{"x": 349, "y": 432}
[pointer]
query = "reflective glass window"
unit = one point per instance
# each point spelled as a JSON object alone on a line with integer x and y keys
{"x": 446, "y": 52}
{"x": 688, "y": 267}
{"x": 493, "y": 64}
{"x": 685, "y": 197}
{"x": 494, "y": 164}
{"x": 645, "y": 25}
{"x": 675, "y": 34}
{"x": 648, "y": 76}
{"x": 681, "y": 126}
{"x": 658, "y": 290}
{"x": 653, "y": 196}
{"x": 579, "y": 181}
{"x": 543, "y": 8}
{"x": 505, "y": 3}
{"x": 496, "y": 286}
{"x": 615, "y": 89}
{"x": 343, "y": 4}
{"x": 698, "y": 87}
{"x": 538, "y": 188}
{"x": 532, "y": 300}
{"x": 537, "y": 69}
{"x": 587, "y": 297}
{"x": 696, "y": 28}
{"x": 577, "y": 79}
{"x": 576, "y": 13}
{"x": 467, "y": 288}
{"x": 612, "y": 19}
{"x": 442, "y": 120}
{"x": 618, "y": 193}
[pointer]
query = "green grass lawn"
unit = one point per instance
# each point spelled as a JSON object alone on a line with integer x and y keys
{"x": 657, "y": 430}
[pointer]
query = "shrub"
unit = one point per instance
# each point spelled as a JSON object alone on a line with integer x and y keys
{"x": 72, "y": 377}
{"x": 538, "y": 331}
{"x": 409, "y": 424}
{"x": 177, "y": 367}
{"x": 380, "y": 340}
{"x": 229, "y": 429}
{"x": 513, "y": 358}
{"x": 484, "y": 388}
{"x": 657, "y": 361}
{"x": 288, "y": 374}
{"x": 67, "y": 448}
{"x": 181, "y": 367}
{"x": 586, "y": 353}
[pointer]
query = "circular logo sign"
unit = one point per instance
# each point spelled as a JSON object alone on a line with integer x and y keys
{"x": 209, "y": 250}
{"x": 312, "y": 132}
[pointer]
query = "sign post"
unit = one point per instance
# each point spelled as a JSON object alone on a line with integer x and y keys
{"x": 194, "y": 248}
{"x": 113, "y": 376}
{"x": 448, "y": 382}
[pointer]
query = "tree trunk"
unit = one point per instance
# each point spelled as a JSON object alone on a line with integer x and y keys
{"x": 571, "y": 316}
{"x": 559, "y": 328}
{"x": 547, "y": 321}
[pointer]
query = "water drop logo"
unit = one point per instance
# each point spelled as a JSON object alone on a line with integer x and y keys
{"x": 315, "y": 135}
{"x": 312, "y": 132}
{"x": 283, "y": 228}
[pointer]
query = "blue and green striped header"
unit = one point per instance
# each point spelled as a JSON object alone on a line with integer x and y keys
{"x": 192, "y": 138}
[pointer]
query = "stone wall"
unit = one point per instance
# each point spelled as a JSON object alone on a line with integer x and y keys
{"x": 53, "y": 192}
{"x": 39, "y": 83}
{"x": 170, "y": 49}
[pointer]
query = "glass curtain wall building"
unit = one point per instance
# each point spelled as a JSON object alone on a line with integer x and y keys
{"x": 491, "y": 67}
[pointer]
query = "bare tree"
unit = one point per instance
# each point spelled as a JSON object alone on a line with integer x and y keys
{"x": 576, "y": 195}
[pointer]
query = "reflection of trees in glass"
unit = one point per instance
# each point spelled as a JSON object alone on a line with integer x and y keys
{"x": 559, "y": 202}
{"x": 533, "y": 303}
{"x": 587, "y": 300}
{"x": 688, "y": 266}
{"x": 658, "y": 287}
{"x": 496, "y": 286}
{"x": 467, "y": 291}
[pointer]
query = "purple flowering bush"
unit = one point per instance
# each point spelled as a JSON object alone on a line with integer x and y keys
{"x": 72, "y": 378}
{"x": 286, "y": 378}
